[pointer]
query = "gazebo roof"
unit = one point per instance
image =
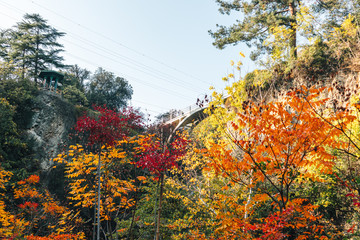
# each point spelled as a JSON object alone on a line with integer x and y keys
{"x": 51, "y": 73}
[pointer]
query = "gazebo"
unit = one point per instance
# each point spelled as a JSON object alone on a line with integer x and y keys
{"x": 51, "y": 79}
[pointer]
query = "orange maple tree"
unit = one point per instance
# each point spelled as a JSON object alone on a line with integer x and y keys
{"x": 271, "y": 149}
{"x": 33, "y": 212}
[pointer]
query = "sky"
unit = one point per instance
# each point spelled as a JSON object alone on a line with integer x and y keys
{"x": 161, "y": 47}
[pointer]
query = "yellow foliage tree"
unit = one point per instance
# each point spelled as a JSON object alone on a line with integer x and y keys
{"x": 81, "y": 172}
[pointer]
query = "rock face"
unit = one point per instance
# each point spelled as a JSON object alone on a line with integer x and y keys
{"x": 50, "y": 126}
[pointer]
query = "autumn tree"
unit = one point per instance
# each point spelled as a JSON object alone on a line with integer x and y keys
{"x": 7, "y": 219}
{"x": 193, "y": 188}
{"x": 159, "y": 156}
{"x": 28, "y": 211}
{"x": 41, "y": 212}
{"x": 117, "y": 183}
{"x": 100, "y": 132}
{"x": 269, "y": 151}
{"x": 347, "y": 167}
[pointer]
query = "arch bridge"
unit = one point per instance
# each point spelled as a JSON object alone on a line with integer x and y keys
{"x": 191, "y": 115}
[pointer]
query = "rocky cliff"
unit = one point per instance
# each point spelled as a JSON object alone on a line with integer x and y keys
{"x": 50, "y": 126}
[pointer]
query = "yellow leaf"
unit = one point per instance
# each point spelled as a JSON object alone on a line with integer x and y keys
{"x": 141, "y": 178}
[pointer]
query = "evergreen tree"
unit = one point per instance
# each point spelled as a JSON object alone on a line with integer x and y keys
{"x": 280, "y": 22}
{"x": 5, "y": 38}
{"x": 34, "y": 45}
{"x": 19, "y": 49}
{"x": 259, "y": 17}
{"x": 76, "y": 76}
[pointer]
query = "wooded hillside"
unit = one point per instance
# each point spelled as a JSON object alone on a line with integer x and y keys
{"x": 276, "y": 156}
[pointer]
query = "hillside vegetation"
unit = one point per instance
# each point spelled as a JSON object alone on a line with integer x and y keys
{"x": 277, "y": 158}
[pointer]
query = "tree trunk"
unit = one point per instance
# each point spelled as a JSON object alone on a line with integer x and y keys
{"x": 98, "y": 203}
{"x": 248, "y": 200}
{"x": 23, "y": 66}
{"x": 157, "y": 236}
{"x": 292, "y": 43}
{"x": 130, "y": 234}
{"x": 94, "y": 222}
{"x": 36, "y": 57}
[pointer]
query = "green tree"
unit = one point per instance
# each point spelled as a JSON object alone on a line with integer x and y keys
{"x": 8, "y": 130}
{"x": 272, "y": 26}
{"x": 74, "y": 95}
{"x": 15, "y": 114}
{"x": 21, "y": 95}
{"x": 259, "y": 18}
{"x": 14, "y": 151}
{"x": 107, "y": 89}
{"x": 77, "y": 76}
{"x": 5, "y": 38}
{"x": 34, "y": 46}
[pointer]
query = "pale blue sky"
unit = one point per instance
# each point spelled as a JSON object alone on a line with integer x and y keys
{"x": 162, "y": 47}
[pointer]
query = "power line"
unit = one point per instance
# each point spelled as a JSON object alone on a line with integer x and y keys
{"x": 111, "y": 52}
{"x": 143, "y": 66}
{"x": 129, "y": 66}
{"x": 172, "y": 93}
{"x": 133, "y": 78}
{"x": 8, "y": 16}
{"x": 120, "y": 44}
{"x": 164, "y": 76}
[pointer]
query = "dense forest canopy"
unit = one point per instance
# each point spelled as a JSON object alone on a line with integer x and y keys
{"x": 278, "y": 158}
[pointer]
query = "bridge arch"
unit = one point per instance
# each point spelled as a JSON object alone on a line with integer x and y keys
{"x": 195, "y": 117}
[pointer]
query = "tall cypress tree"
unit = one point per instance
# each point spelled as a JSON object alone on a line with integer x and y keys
{"x": 34, "y": 45}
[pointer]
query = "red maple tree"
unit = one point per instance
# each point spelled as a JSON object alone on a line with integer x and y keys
{"x": 158, "y": 157}
{"x": 108, "y": 126}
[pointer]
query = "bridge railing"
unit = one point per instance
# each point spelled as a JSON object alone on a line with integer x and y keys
{"x": 175, "y": 115}
{"x": 179, "y": 114}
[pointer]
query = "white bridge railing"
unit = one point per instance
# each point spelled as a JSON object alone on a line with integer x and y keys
{"x": 176, "y": 115}
{"x": 179, "y": 114}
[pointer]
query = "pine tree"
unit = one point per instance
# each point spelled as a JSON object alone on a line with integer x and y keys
{"x": 34, "y": 45}
{"x": 5, "y": 36}
{"x": 260, "y": 16}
